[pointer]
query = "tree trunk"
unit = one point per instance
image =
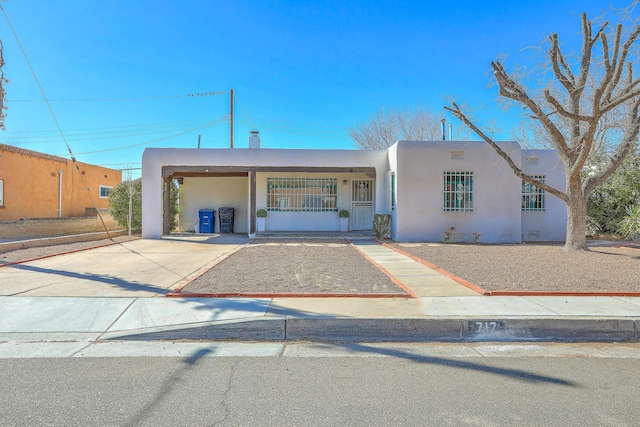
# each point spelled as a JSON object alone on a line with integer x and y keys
{"x": 576, "y": 219}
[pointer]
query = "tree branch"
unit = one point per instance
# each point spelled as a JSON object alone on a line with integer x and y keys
{"x": 558, "y": 61}
{"x": 510, "y": 89}
{"x": 624, "y": 148}
{"x": 560, "y": 109}
{"x": 456, "y": 111}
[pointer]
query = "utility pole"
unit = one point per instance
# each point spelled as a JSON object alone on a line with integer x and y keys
{"x": 231, "y": 118}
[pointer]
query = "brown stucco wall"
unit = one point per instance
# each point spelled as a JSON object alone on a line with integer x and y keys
{"x": 31, "y": 185}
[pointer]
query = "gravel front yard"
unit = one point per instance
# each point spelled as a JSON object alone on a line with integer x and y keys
{"x": 318, "y": 266}
{"x": 295, "y": 266}
{"x": 535, "y": 267}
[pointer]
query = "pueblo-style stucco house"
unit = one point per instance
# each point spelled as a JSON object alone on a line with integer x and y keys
{"x": 427, "y": 187}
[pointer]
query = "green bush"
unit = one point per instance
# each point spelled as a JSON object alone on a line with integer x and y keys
{"x": 630, "y": 224}
{"x": 119, "y": 204}
{"x": 261, "y": 213}
{"x": 343, "y": 213}
{"x": 608, "y": 203}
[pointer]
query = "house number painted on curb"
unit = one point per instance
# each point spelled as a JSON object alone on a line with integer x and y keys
{"x": 485, "y": 327}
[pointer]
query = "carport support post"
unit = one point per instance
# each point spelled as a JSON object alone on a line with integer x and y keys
{"x": 166, "y": 230}
{"x": 252, "y": 203}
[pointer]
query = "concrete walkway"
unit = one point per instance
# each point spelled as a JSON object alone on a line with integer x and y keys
{"x": 112, "y": 293}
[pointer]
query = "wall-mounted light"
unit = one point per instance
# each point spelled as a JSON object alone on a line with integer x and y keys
{"x": 344, "y": 181}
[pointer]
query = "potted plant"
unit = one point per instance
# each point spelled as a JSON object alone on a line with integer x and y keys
{"x": 261, "y": 216}
{"x": 344, "y": 220}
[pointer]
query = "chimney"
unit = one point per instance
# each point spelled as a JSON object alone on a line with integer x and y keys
{"x": 254, "y": 139}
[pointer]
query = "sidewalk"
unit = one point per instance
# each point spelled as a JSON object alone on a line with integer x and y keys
{"x": 118, "y": 293}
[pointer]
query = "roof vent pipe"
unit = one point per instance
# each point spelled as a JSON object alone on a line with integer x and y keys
{"x": 442, "y": 122}
{"x": 254, "y": 139}
{"x": 450, "y": 132}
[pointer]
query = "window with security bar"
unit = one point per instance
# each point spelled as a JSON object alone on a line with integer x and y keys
{"x": 458, "y": 191}
{"x": 533, "y": 198}
{"x": 302, "y": 194}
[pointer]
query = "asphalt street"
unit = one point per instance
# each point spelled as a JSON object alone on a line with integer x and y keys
{"x": 319, "y": 384}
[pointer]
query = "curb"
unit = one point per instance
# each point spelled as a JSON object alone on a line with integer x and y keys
{"x": 332, "y": 329}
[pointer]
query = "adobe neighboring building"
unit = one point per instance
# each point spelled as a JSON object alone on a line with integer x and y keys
{"x": 38, "y": 185}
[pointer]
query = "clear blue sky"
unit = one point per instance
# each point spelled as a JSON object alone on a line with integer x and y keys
{"x": 303, "y": 72}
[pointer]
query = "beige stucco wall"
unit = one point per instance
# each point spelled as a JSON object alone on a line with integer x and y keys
{"x": 550, "y": 224}
{"x": 419, "y": 171}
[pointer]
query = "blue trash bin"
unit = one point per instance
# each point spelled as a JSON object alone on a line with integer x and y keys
{"x": 207, "y": 220}
{"x": 225, "y": 216}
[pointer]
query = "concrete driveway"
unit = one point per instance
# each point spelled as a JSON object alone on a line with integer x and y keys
{"x": 139, "y": 268}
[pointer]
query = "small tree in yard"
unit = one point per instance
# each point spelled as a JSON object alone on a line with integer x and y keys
{"x": 119, "y": 206}
{"x": 582, "y": 95}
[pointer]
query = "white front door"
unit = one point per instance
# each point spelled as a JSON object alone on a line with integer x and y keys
{"x": 362, "y": 204}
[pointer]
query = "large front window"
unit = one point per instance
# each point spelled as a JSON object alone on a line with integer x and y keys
{"x": 533, "y": 198}
{"x": 302, "y": 194}
{"x": 458, "y": 191}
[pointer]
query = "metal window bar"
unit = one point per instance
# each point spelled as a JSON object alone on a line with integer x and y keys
{"x": 458, "y": 191}
{"x": 393, "y": 191}
{"x": 302, "y": 194}
{"x": 533, "y": 198}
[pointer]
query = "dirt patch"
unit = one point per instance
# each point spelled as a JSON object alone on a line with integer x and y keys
{"x": 22, "y": 255}
{"x": 531, "y": 267}
{"x": 277, "y": 266}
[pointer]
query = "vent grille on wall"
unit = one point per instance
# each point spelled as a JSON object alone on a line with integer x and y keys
{"x": 533, "y": 234}
{"x": 458, "y": 155}
{"x": 457, "y": 237}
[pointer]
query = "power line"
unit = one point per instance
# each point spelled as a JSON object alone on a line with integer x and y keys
{"x": 112, "y": 135}
{"x": 201, "y": 119}
{"x": 155, "y": 140}
{"x": 135, "y": 98}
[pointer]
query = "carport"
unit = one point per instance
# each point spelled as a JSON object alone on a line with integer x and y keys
{"x": 170, "y": 173}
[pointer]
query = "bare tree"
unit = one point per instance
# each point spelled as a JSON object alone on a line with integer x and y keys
{"x": 572, "y": 109}
{"x": 386, "y": 127}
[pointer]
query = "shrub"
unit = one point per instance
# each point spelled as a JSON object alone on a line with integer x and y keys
{"x": 382, "y": 226}
{"x": 343, "y": 213}
{"x": 630, "y": 224}
{"x": 261, "y": 213}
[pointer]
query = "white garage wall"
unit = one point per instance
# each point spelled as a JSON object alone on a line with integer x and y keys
{"x": 214, "y": 193}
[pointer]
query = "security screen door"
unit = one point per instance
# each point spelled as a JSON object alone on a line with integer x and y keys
{"x": 362, "y": 204}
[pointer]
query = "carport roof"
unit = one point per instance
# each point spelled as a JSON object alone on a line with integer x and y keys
{"x": 211, "y": 171}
